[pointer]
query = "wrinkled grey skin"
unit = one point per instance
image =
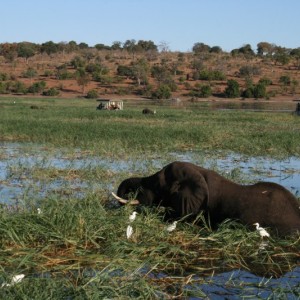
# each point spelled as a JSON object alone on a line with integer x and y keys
{"x": 188, "y": 189}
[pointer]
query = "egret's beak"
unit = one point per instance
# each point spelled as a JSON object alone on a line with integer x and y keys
{"x": 124, "y": 201}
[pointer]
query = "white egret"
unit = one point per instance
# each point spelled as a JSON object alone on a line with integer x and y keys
{"x": 129, "y": 231}
{"x": 262, "y": 232}
{"x": 132, "y": 216}
{"x": 39, "y": 211}
{"x": 172, "y": 227}
{"x": 14, "y": 280}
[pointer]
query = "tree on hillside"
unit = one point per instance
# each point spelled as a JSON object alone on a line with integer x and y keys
{"x": 215, "y": 49}
{"x": 200, "y": 48}
{"x": 72, "y": 46}
{"x": 26, "y": 50}
{"x": 295, "y": 54}
{"x": 285, "y": 81}
{"x": 146, "y": 46}
{"x": 117, "y": 45}
{"x": 102, "y": 47}
{"x": 264, "y": 48}
{"x": 130, "y": 47}
{"x": 78, "y": 62}
{"x": 9, "y": 51}
{"x": 140, "y": 71}
{"x": 281, "y": 58}
{"x": 163, "y": 47}
{"x": 246, "y": 50}
{"x": 82, "y": 78}
{"x": 49, "y": 47}
{"x": 83, "y": 46}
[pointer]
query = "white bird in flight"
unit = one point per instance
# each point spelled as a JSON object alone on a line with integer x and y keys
{"x": 262, "y": 232}
{"x": 132, "y": 216}
{"x": 129, "y": 231}
{"x": 172, "y": 227}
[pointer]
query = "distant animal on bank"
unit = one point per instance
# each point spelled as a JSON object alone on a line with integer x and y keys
{"x": 188, "y": 189}
{"x": 148, "y": 111}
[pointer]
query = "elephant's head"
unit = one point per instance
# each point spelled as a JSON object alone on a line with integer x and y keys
{"x": 136, "y": 191}
{"x": 179, "y": 187}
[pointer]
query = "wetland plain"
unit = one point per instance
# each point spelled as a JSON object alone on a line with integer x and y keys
{"x": 66, "y": 157}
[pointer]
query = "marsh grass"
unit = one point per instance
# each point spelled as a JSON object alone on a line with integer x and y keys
{"x": 77, "y": 123}
{"x": 79, "y": 247}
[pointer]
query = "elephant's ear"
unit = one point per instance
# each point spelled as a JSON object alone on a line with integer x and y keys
{"x": 189, "y": 196}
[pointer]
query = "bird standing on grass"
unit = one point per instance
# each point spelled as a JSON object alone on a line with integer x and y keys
{"x": 172, "y": 227}
{"x": 132, "y": 216}
{"x": 262, "y": 232}
{"x": 129, "y": 231}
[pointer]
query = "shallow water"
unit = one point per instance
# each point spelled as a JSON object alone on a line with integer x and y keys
{"x": 18, "y": 160}
{"x": 16, "y": 183}
{"x": 240, "y": 284}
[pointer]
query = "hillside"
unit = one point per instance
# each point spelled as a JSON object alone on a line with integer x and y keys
{"x": 121, "y": 74}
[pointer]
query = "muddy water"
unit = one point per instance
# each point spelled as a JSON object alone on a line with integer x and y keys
{"x": 16, "y": 183}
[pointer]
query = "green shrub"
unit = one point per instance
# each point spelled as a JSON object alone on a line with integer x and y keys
{"x": 266, "y": 81}
{"x": 211, "y": 75}
{"x": 92, "y": 94}
{"x": 248, "y": 92}
{"x": 201, "y": 91}
{"x": 63, "y": 74}
{"x": 103, "y": 79}
{"x": 4, "y": 88}
{"x": 249, "y": 71}
{"x": 37, "y": 87}
{"x": 163, "y": 92}
{"x": 19, "y": 87}
{"x": 125, "y": 71}
{"x": 4, "y": 77}
{"x": 259, "y": 90}
{"x": 30, "y": 73}
{"x": 51, "y": 92}
{"x": 97, "y": 68}
{"x": 48, "y": 73}
{"x": 77, "y": 62}
{"x": 233, "y": 89}
{"x": 285, "y": 80}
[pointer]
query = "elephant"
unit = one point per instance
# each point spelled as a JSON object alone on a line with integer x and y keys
{"x": 188, "y": 189}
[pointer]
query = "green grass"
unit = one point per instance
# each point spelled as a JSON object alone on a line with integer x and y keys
{"x": 77, "y": 123}
{"x": 80, "y": 247}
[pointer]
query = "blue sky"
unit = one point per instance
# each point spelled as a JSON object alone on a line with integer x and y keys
{"x": 179, "y": 24}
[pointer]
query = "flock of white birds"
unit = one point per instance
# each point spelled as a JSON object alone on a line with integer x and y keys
{"x": 132, "y": 217}
{"x": 129, "y": 231}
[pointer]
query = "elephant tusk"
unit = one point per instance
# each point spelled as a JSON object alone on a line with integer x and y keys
{"x": 124, "y": 201}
